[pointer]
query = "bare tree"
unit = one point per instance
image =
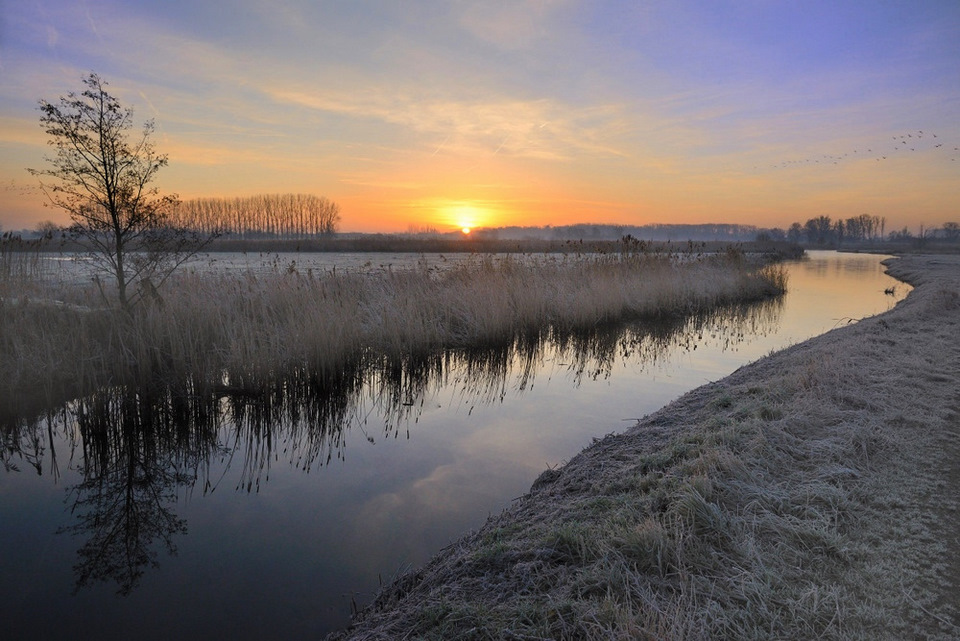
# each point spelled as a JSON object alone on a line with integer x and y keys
{"x": 819, "y": 230}
{"x": 951, "y": 231}
{"x": 47, "y": 229}
{"x": 101, "y": 176}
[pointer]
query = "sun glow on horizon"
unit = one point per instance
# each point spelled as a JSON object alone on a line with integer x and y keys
{"x": 464, "y": 215}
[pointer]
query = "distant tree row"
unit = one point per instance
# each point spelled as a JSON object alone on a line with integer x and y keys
{"x": 949, "y": 232}
{"x": 290, "y": 216}
{"x": 599, "y": 231}
{"x": 822, "y": 230}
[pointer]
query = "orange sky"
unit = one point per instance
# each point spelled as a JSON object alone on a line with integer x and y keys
{"x": 442, "y": 115}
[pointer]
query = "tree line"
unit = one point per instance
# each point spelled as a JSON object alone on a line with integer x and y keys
{"x": 288, "y": 216}
{"x": 599, "y": 231}
{"x": 822, "y": 230}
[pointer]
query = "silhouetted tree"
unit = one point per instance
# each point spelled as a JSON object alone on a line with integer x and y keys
{"x": 903, "y": 234}
{"x": 861, "y": 228}
{"x": 101, "y": 178}
{"x": 840, "y": 231}
{"x": 819, "y": 230}
{"x": 951, "y": 231}
{"x": 795, "y": 233}
{"x": 47, "y": 229}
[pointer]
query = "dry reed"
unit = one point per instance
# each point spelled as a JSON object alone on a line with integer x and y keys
{"x": 219, "y": 329}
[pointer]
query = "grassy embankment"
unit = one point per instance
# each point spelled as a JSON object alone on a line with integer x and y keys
{"x": 215, "y": 329}
{"x": 814, "y": 494}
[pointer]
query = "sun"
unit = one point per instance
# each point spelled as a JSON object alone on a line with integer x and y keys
{"x": 465, "y": 215}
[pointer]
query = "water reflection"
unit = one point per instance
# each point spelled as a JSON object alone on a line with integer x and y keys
{"x": 137, "y": 449}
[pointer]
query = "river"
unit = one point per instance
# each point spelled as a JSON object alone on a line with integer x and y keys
{"x": 275, "y": 517}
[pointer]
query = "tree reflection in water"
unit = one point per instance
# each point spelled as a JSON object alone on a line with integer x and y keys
{"x": 139, "y": 447}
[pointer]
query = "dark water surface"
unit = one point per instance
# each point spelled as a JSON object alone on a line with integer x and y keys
{"x": 179, "y": 515}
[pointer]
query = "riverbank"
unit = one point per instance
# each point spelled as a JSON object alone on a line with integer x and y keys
{"x": 811, "y": 494}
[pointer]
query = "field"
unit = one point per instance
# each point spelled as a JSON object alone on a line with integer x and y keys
{"x": 810, "y": 495}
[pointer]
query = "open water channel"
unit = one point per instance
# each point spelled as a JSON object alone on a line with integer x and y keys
{"x": 157, "y": 517}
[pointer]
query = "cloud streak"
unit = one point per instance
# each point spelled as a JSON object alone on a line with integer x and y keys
{"x": 543, "y": 129}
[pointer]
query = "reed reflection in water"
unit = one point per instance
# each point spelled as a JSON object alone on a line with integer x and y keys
{"x": 136, "y": 450}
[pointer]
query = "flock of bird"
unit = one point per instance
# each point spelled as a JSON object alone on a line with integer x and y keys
{"x": 19, "y": 187}
{"x": 913, "y": 141}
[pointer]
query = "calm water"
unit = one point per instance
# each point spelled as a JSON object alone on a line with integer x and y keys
{"x": 272, "y": 516}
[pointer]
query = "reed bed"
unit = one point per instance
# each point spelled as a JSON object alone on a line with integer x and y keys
{"x": 22, "y": 263}
{"x": 234, "y": 330}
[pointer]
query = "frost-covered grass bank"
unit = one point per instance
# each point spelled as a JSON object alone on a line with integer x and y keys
{"x": 813, "y": 494}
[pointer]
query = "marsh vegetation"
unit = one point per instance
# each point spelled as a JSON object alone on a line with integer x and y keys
{"x": 212, "y": 331}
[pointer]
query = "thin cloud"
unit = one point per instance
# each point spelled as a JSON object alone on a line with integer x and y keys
{"x": 540, "y": 129}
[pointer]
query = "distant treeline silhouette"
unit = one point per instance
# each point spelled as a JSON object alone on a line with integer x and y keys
{"x": 656, "y": 231}
{"x": 287, "y": 216}
{"x": 822, "y": 230}
{"x": 819, "y": 230}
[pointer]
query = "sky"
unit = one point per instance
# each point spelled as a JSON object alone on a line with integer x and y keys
{"x": 443, "y": 113}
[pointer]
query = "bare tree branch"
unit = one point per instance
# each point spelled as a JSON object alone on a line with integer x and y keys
{"x": 103, "y": 181}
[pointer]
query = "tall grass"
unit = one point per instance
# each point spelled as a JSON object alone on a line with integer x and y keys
{"x": 21, "y": 263}
{"x": 216, "y": 329}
